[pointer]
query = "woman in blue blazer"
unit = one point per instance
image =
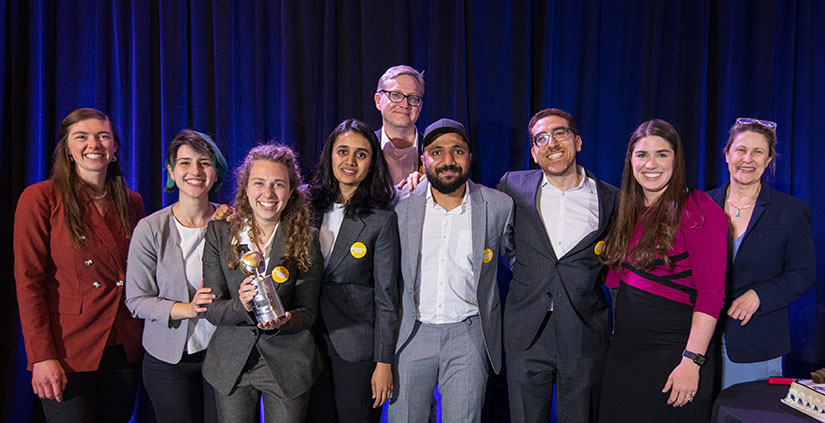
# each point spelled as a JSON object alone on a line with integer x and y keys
{"x": 349, "y": 200}
{"x": 164, "y": 283}
{"x": 771, "y": 262}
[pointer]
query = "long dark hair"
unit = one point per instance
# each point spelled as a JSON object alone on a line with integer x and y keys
{"x": 374, "y": 192}
{"x": 294, "y": 218}
{"x": 661, "y": 219}
{"x": 68, "y": 185}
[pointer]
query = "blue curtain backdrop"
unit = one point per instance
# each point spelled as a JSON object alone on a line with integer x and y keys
{"x": 251, "y": 71}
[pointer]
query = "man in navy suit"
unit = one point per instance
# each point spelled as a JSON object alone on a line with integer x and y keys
{"x": 555, "y": 314}
{"x": 399, "y": 97}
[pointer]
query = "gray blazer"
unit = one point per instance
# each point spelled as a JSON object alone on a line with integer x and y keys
{"x": 573, "y": 281}
{"x": 492, "y": 222}
{"x": 289, "y": 352}
{"x": 155, "y": 280}
{"x": 359, "y": 296}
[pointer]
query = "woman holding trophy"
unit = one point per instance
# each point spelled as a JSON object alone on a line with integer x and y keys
{"x": 258, "y": 350}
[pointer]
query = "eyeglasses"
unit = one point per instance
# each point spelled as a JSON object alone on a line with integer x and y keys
{"x": 765, "y": 123}
{"x": 559, "y": 134}
{"x": 397, "y": 97}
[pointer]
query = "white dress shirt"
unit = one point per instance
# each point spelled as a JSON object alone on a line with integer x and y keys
{"x": 568, "y": 216}
{"x": 198, "y": 331}
{"x": 445, "y": 287}
{"x": 402, "y": 161}
{"x": 328, "y": 232}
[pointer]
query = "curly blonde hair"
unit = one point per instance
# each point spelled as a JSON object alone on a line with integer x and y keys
{"x": 294, "y": 218}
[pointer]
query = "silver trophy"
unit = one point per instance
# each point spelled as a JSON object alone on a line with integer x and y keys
{"x": 267, "y": 304}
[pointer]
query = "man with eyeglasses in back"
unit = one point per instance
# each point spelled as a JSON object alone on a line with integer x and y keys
{"x": 398, "y": 97}
{"x": 556, "y": 314}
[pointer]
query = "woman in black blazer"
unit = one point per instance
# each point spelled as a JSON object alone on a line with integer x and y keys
{"x": 349, "y": 201}
{"x": 771, "y": 263}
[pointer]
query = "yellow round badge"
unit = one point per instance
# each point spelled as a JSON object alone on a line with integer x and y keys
{"x": 487, "y": 255}
{"x": 280, "y": 274}
{"x": 358, "y": 250}
{"x": 599, "y": 248}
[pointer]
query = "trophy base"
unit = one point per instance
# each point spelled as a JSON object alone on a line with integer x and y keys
{"x": 266, "y": 314}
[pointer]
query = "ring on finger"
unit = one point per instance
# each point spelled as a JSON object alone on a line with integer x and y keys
{"x": 689, "y": 399}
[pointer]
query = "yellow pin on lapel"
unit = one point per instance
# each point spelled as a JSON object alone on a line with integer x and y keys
{"x": 487, "y": 256}
{"x": 280, "y": 274}
{"x": 599, "y": 248}
{"x": 358, "y": 250}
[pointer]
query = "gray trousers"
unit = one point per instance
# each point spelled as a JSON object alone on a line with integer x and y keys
{"x": 533, "y": 374}
{"x": 243, "y": 403}
{"x": 452, "y": 355}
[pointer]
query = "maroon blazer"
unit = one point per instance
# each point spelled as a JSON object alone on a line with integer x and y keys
{"x": 70, "y": 298}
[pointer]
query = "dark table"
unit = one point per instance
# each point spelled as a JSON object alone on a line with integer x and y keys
{"x": 756, "y": 402}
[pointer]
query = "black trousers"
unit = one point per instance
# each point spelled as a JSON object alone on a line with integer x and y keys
{"x": 178, "y": 392}
{"x": 343, "y": 392}
{"x": 104, "y": 395}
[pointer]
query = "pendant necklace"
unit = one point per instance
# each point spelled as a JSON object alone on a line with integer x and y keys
{"x": 738, "y": 209}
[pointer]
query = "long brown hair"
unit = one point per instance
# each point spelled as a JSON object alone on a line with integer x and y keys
{"x": 68, "y": 184}
{"x": 295, "y": 217}
{"x": 661, "y": 219}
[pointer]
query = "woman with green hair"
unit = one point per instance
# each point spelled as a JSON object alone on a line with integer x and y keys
{"x": 164, "y": 282}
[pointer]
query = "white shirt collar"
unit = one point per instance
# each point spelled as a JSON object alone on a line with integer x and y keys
{"x": 385, "y": 139}
{"x": 585, "y": 182}
{"x": 465, "y": 202}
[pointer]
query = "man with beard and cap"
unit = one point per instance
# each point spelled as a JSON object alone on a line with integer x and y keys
{"x": 555, "y": 315}
{"x": 452, "y": 231}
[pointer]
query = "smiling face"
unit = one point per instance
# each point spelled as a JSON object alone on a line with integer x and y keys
{"x": 91, "y": 145}
{"x": 268, "y": 191}
{"x": 447, "y": 162}
{"x": 556, "y": 158}
{"x": 747, "y": 158}
{"x": 400, "y": 115}
{"x": 351, "y": 160}
{"x": 652, "y": 160}
{"x": 193, "y": 173}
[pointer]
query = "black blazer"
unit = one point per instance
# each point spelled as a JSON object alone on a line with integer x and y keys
{"x": 580, "y": 306}
{"x": 776, "y": 259}
{"x": 289, "y": 352}
{"x": 359, "y": 294}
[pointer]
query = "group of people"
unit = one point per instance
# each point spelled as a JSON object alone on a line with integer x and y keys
{"x": 386, "y": 264}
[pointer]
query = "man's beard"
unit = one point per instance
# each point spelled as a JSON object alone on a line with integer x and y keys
{"x": 445, "y": 187}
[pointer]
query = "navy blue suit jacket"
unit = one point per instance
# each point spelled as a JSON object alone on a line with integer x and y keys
{"x": 776, "y": 259}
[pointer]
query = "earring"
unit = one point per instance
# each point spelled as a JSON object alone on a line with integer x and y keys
{"x": 71, "y": 159}
{"x": 114, "y": 159}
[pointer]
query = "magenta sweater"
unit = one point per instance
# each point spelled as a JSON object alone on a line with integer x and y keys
{"x": 699, "y": 253}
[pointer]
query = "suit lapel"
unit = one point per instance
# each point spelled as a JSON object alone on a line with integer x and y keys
{"x": 478, "y": 216}
{"x": 174, "y": 239}
{"x": 347, "y": 234}
{"x": 278, "y": 249}
{"x": 101, "y": 228}
{"x": 415, "y": 222}
{"x": 605, "y": 198}
{"x": 532, "y": 185}
{"x": 762, "y": 201}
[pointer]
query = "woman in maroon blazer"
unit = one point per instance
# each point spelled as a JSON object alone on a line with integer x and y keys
{"x": 71, "y": 237}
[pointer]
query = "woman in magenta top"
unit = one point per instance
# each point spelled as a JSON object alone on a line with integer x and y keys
{"x": 667, "y": 254}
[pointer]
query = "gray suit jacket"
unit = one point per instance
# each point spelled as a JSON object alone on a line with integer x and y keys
{"x": 290, "y": 352}
{"x": 359, "y": 296}
{"x": 573, "y": 281}
{"x": 492, "y": 222}
{"x": 155, "y": 280}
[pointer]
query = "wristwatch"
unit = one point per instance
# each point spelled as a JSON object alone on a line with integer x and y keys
{"x": 697, "y": 358}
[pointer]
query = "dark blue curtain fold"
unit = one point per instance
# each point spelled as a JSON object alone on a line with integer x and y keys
{"x": 251, "y": 71}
